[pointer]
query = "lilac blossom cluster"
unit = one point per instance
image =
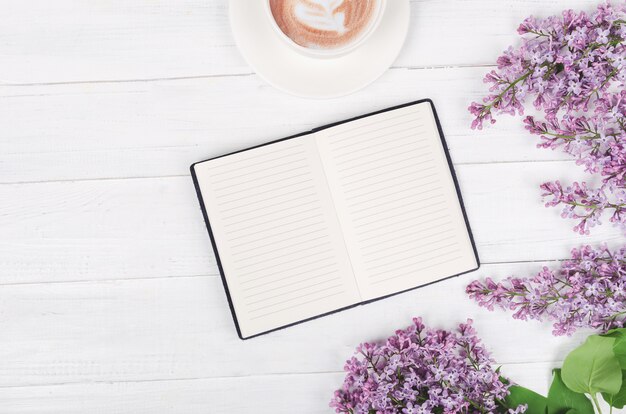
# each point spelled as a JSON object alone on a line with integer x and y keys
{"x": 587, "y": 205}
{"x": 573, "y": 67}
{"x": 423, "y": 371}
{"x": 588, "y": 291}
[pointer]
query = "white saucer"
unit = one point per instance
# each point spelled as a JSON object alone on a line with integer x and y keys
{"x": 284, "y": 68}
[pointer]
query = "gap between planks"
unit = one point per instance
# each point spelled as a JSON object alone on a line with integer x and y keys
{"x": 215, "y": 275}
{"x": 221, "y": 75}
{"x": 157, "y": 177}
{"x": 227, "y": 377}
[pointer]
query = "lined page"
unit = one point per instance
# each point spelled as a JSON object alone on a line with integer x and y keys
{"x": 277, "y": 234}
{"x": 396, "y": 200}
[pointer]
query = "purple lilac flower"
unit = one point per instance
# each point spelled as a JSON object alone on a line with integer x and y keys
{"x": 588, "y": 291}
{"x": 423, "y": 371}
{"x": 573, "y": 68}
{"x": 586, "y": 204}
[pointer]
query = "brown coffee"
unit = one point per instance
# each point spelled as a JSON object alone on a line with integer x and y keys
{"x": 324, "y": 24}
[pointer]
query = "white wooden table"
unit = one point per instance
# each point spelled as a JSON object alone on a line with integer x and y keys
{"x": 110, "y": 299}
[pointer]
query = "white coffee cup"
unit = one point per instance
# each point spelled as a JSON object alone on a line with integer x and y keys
{"x": 330, "y": 52}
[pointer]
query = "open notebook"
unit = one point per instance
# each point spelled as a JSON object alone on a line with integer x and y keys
{"x": 335, "y": 217}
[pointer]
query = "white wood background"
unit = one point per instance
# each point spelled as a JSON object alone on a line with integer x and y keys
{"x": 110, "y": 300}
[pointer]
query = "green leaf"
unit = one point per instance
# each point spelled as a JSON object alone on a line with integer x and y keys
{"x": 619, "y": 347}
{"x": 593, "y": 367}
{"x": 562, "y": 400}
{"x": 617, "y": 400}
{"x": 614, "y": 333}
{"x": 519, "y": 395}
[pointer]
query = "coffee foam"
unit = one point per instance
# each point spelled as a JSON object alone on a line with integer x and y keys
{"x": 323, "y": 24}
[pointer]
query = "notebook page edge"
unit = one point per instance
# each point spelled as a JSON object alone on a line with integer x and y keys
{"x": 218, "y": 259}
{"x": 470, "y": 245}
{"x": 244, "y": 331}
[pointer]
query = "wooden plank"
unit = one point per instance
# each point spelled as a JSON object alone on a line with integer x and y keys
{"x": 276, "y": 394}
{"x": 146, "y": 129}
{"x": 117, "y": 229}
{"x": 77, "y": 41}
{"x": 177, "y": 328}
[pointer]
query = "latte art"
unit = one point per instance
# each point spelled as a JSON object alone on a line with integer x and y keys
{"x": 324, "y": 24}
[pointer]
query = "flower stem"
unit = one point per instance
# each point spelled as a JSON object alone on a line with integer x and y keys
{"x": 595, "y": 402}
{"x": 498, "y": 98}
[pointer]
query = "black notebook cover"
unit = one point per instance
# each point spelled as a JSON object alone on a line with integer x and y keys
{"x": 217, "y": 255}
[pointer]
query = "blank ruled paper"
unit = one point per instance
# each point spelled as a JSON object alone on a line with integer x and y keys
{"x": 346, "y": 214}
{"x": 396, "y": 200}
{"x": 278, "y": 235}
